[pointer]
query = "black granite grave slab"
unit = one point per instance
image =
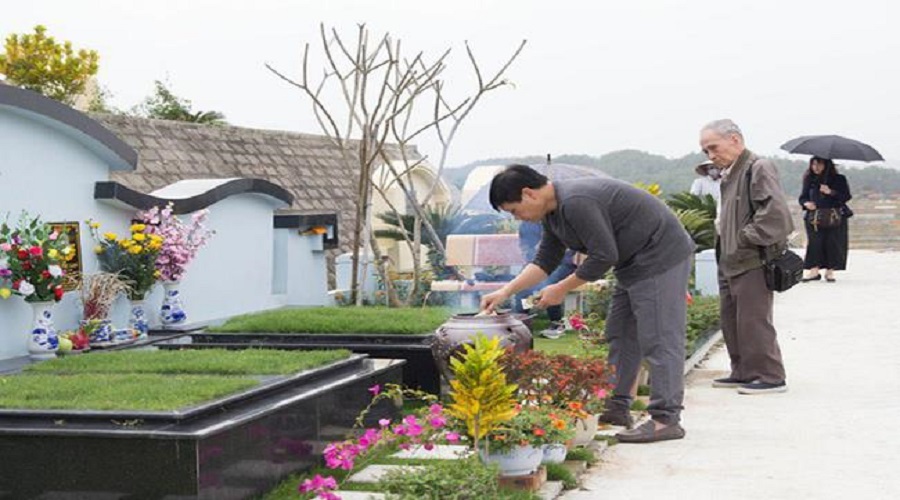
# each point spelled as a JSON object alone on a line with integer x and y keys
{"x": 420, "y": 370}
{"x": 234, "y": 448}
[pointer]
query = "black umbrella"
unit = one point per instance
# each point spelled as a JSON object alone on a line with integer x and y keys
{"x": 832, "y": 147}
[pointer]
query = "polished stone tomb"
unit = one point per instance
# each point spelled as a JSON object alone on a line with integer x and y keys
{"x": 232, "y": 448}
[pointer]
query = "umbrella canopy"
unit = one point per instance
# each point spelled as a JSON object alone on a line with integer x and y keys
{"x": 832, "y": 147}
{"x": 480, "y": 202}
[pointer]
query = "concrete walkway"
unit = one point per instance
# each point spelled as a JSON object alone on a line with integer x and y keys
{"x": 835, "y": 434}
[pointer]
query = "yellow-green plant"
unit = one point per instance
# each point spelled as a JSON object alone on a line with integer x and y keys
{"x": 38, "y": 62}
{"x": 481, "y": 396}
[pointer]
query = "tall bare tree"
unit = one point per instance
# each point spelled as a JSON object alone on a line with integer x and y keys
{"x": 384, "y": 102}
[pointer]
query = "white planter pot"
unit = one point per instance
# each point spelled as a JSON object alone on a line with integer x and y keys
{"x": 42, "y": 341}
{"x": 519, "y": 461}
{"x": 585, "y": 430}
{"x": 554, "y": 453}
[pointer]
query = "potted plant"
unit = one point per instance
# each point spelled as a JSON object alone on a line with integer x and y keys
{"x": 134, "y": 260}
{"x": 180, "y": 243}
{"x": 535, "y": 435}
{"x": 32, "y": 255}
{"x": 576, "y": 385}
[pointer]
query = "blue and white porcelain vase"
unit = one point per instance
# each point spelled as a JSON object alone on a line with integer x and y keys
{"x": 138, "y": 319}
{"x": 42, "y": 342}
{"x": 102, "y": 333}
{"x": 172, "y": 311}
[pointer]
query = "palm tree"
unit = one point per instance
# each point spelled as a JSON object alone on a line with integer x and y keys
{"x": 697, "y": 214}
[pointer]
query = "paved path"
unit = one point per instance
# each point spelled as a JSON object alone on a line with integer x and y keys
{"x": 835, "y": 434}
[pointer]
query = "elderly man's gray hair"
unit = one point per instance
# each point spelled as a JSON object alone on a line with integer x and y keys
{"x": 724, "y": 127}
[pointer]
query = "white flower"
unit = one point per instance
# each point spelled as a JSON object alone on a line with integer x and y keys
{"x": 4, "y": 263}
{"x": 26, "y": 288}
{"x": 54, "y": 271}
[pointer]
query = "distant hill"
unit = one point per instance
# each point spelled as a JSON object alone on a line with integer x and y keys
{"x": 676, "y": 174}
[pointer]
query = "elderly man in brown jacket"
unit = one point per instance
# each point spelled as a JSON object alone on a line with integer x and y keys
{"x": 748, "y": 230}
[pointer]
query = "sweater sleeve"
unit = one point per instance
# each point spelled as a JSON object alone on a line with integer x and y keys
{"x": 841, "y": 190}
{"x": 550, "y": 251}
{"x": 804, "y": 191}
{"x": 771, "y": 222}
{"x": 595, "y": 231}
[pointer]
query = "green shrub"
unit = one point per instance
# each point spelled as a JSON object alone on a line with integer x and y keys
{"x": 559, "y": 472}
{"x": 466, "y": 479}
{"x": 583, "y": 454}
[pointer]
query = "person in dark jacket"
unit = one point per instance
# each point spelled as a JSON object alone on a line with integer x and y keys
{"x": 824, "y": 189}
{"x": 623, "y": 228}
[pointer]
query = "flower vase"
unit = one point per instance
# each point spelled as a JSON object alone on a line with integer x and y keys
{"x": 138, "y": 320}
{"x": 172, "y": 312}
{"x": 102, "y": 332}
{"x": 42, "y": 342}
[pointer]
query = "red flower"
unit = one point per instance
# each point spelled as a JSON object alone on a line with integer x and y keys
{"x": 22, "y": 254}
{"x": 16, "y": 284}
{"x": 26, "y": 265}
{"x": 36, "y": 251}
{"x": 58, "y": 293}
{"x": 45, "y": 274}
{"x": 538, "y": 431}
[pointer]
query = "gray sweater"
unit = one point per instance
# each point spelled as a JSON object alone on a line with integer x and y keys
{"x": 615, "y": 225}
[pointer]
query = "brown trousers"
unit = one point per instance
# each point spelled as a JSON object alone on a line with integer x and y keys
{"x": 746, "y": 310}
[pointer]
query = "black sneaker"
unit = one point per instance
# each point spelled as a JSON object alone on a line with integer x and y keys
{"x": 615, "y": 416}
{"x": 762, "y": 388}
{"x": 728, "y": 382}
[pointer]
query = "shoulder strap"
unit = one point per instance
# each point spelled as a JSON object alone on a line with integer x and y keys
{"x": 749, "y": 175}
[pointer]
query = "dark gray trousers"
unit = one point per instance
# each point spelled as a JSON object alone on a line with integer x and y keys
{"x": 747, "y": 327}
{"x": 647, "y": 320}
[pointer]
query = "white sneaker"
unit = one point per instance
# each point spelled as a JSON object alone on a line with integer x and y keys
{"x": 555, "y": 331}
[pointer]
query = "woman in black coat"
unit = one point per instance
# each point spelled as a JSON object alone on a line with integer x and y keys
{"x": 824, "y": 188}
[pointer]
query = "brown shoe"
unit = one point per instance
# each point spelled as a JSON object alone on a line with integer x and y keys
{"x": 647, "y": 433}
{"x": 616, "y": 416}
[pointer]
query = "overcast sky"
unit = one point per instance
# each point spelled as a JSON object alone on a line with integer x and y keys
{"x": 595, "y": 76}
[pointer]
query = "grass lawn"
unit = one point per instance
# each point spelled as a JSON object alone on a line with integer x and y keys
{"x": 376, "y": 320}
{"x": 192, "y": 361}
{"x": 95, "y": 391}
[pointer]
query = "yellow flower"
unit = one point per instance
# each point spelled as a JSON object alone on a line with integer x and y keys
{"x": 125, "y": 243}
{"x": 138, "y": 228}
{"x": 156, "y": 237}
{"x": 135, "y": 249}
{"x": 6, "y": 292}
{"x": 111, "y": 236}
{"x": 69, "y": 249}
{"x": 156, "y": 273}
{"x": 138, "y": 237}
{"x": 94, "y": 224}
{"x": 154, "y": 246}
{"x": 98, "y": 249}
{"x": 53, "y": 253}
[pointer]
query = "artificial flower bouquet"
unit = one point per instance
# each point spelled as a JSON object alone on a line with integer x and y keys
{"x": 180, "y": 241}
{"x": 32, "y": 254}
{"x": 132, "y": 258}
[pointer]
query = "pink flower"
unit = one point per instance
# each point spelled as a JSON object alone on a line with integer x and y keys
{"x": 410, "y": 420}
{"x": 5, "y": 247}
{"x": 384, "y": 422}
{"x": 318, "y": 483}
{"x": 53, "y": 236}
{"x": 452, "y": 437}
{"x": 436, "y": 409}
{"x": 600, "y": 393}
{"x": 375, "y": 390}
{"x": 36, "y": 251}
{"x": 429, "y": 446}
{"x": 577, "y": 322}
{"x": 437, "y": 421}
